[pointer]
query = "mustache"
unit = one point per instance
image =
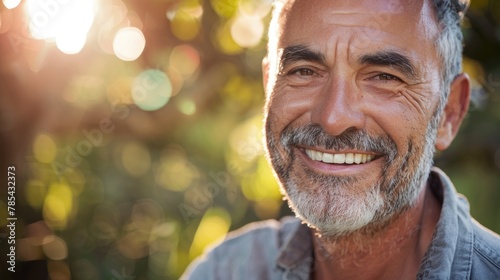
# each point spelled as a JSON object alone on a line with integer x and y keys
{"x": 313, "y": 135}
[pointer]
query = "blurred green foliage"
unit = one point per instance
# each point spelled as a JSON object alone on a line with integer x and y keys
{"x": 126, "y": 189}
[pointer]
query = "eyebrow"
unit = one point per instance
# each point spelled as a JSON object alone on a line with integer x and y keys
{"x": 299, "y": 52}
{"x": 392, "y": 59}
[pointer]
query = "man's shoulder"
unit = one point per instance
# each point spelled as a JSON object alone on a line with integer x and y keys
{"x": 262, "y": 232}
{"x": 486, "y": 252}
{"x": 255, "y": 246}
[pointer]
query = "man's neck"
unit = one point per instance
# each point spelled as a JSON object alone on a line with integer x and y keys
{"x": 392, "y": 253}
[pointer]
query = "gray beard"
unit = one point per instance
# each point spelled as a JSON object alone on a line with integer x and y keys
{"x": 330, "y": 204}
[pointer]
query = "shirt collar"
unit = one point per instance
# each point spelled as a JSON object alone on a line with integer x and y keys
{"x": 449, "y": 255}
{"x": 297, "y": 248}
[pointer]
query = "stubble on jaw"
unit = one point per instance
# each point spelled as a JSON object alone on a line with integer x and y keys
{"x": 395, "y": 192}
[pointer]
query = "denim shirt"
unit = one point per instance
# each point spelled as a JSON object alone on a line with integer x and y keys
{"x": 460, "y": 248}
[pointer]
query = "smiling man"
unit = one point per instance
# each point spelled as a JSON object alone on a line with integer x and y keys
{"x": 359, "y": 96}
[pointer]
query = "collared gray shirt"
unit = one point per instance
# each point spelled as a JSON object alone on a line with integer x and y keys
{"x": 460, "y": 248}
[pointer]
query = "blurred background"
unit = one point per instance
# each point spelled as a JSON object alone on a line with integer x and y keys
{"x": 135, "y": 130}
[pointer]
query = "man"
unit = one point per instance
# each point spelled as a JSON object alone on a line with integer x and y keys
{"x": 359, "y": 95}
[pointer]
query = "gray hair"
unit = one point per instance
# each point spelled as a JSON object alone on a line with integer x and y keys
{"x": 449, "y": 47}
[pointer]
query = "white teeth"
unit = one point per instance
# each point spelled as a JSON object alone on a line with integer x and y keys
{"x": 328, "y": 158}
{"x": 349, "y": 158}
{"x": 339, "y": 158}
{"x": 318, "y": 156}
{"x": 357, "y": 158}
{"x": 310, "y": 153}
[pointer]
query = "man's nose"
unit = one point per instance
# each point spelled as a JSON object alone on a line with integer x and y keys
{"x": 339, "y": 107}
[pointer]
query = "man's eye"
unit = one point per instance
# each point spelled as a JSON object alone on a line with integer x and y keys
{"x": 302, "y": 72}
{"x": 387, "y": 77}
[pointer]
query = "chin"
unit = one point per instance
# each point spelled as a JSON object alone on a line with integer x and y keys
{"x": 336, "y": 215}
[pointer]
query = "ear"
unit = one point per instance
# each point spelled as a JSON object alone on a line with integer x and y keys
{"x": 454, "y": 111}
{"x": 265, "y": 72}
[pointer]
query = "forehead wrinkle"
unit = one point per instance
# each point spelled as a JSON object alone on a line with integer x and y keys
{"x": 350, "y": 44}
{"x": 374, "y": 15}
{"x": 347, "y": 19}
{"x": 340, "y": 50}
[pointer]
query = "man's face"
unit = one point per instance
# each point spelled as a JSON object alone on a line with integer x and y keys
{"x": 352, "y": 93}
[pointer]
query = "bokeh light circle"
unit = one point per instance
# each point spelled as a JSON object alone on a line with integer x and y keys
{"x": 44, "y": 148}
{"x": 184, "y": 26}
{"x": 129, "y": 43}
{"x": 151, "y": 90}
{"x": 184, "y": 59}
{"x": 11, "y": 4}
{"x": 54, "y": 247}
{"x": 247, "y": 31}
{"x": 51, "y": 19}
{"x": 260, "y": 8}
{"x": 136, "y": 159}
{"x": 224, "y": 41}
{"x": 225, "y": 8}
{"x": 71, "y": 43}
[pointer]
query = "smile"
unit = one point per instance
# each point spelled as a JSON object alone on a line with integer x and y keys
{"x": 341, "y": 158}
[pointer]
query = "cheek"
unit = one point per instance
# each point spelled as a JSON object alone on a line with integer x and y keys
{"x": 286, "y": 107}
{"x": 401, "y": 117}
